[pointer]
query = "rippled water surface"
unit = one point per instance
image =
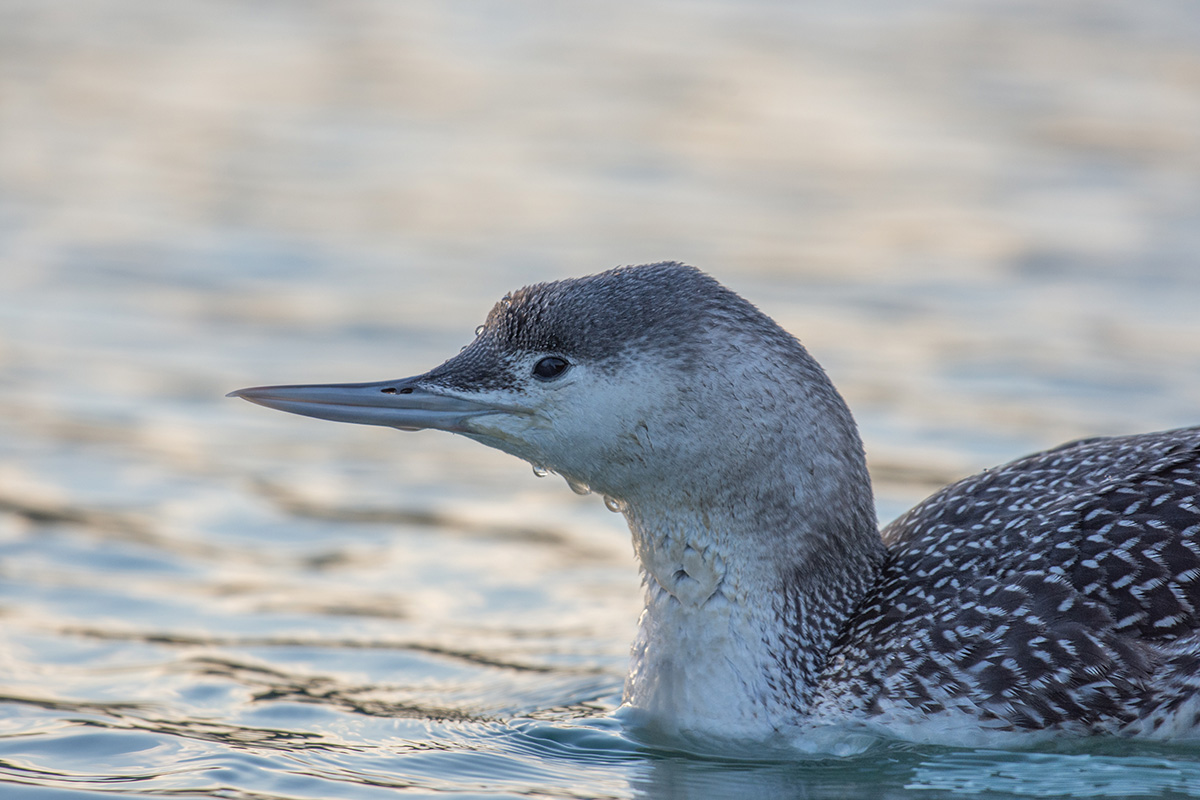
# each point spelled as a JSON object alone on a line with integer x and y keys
{"x": 984, "y": 220}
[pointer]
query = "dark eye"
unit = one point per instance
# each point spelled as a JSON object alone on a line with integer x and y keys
{"x": 550, "y": 368}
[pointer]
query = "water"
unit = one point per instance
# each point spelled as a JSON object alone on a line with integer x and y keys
{"x": 984, "y": 220}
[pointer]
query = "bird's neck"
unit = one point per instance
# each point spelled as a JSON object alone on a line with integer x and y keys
{"x": 741, "y": 611}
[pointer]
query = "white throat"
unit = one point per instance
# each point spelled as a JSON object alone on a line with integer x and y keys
{"x": 700, "y": 664}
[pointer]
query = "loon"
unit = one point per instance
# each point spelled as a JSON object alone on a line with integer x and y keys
{"x": 1058, "y": 594}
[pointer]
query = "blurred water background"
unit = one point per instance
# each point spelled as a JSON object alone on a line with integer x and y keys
{"x": 984, "y": 220}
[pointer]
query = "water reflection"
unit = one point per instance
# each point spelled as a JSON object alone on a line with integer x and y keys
{"x": 1058, "y": 775}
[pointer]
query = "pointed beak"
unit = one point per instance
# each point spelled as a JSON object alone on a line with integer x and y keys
{"x": 402, "y": 404}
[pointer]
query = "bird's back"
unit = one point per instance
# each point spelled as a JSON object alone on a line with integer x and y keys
{"x": 1061, "y": 591}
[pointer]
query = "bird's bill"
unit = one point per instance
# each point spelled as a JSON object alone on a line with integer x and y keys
{"x": 402, "y": 404}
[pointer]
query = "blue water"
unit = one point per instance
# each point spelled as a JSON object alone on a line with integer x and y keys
{"x": 984, "y": 221}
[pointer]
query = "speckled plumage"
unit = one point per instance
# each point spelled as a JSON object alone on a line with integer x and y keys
{"x": 1059, "y": 591}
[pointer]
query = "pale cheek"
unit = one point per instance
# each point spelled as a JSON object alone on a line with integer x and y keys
{"x": 573, "y": 445}
{"x": 516, "y": 436}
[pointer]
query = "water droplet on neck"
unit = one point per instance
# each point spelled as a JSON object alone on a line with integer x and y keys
{"x": 614, "y": 505}
{"x": 578, "y": 487}
{"x": 540, "y": 471}
{"x": 479, "y": 330}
